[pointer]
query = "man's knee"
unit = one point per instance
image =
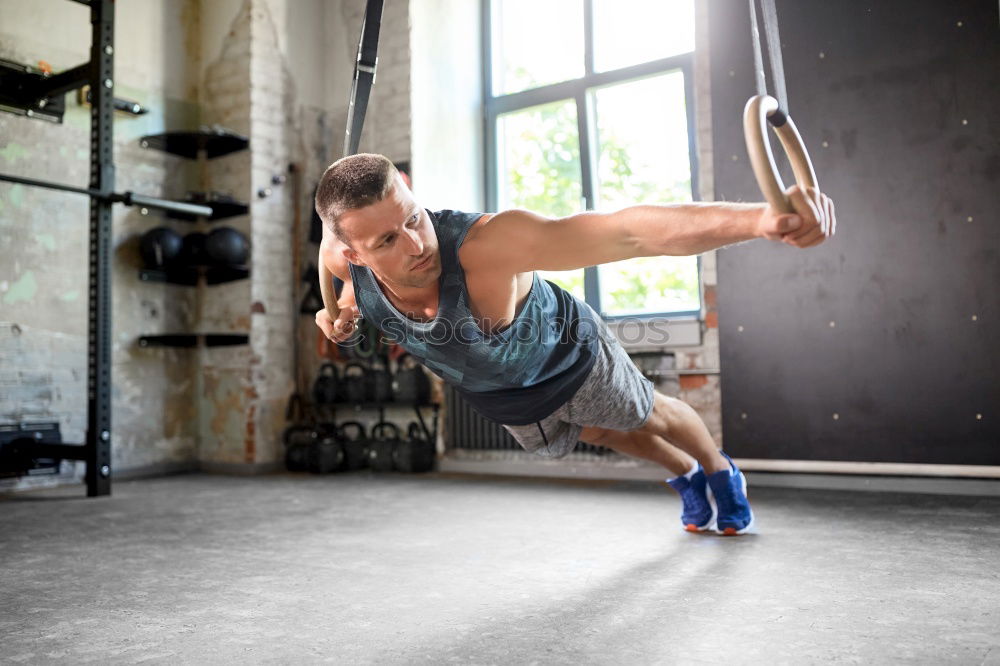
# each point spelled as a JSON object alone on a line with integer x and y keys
{"x": 600, "y": 436}
{"x": 666, "y": 410}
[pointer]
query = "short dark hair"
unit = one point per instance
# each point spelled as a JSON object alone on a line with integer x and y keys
{"x": 350, "y": 183}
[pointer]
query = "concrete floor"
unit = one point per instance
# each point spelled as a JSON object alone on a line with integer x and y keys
{"x": 356, "y": 569}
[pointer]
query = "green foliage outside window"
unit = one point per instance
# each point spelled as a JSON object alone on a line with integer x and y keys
{"x": 542, "y": 174}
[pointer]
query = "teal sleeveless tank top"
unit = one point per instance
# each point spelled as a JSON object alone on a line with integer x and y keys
{"x": 516, "y": 376}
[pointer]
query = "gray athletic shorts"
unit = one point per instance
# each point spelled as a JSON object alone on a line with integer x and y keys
{"x": 615, "y": 395}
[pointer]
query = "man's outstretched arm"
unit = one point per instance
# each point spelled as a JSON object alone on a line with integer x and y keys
{"x": 521, "y": 241}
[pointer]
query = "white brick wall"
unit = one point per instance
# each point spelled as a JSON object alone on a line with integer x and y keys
{"x": 223, "y": 386}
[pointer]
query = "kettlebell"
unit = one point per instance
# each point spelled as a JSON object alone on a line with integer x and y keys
{"x": 355, "y": 444}
{"x": 299, "y": 441}
{"x": 355, "y": 381}
{"x": 415, "y": 453}
{"x": 326, "y": 455}
{"x": 411, "y": 383}
{"x": 327, "y": 385}
{"x": 160, "y": 247}
{"x": 384, "y": 440}
{"x": 380, "y": 381}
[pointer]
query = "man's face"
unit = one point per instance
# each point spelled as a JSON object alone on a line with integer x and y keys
{"x": 395, "y": 239}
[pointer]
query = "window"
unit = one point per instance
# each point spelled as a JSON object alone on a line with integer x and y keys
{"x": 588, "y": 106}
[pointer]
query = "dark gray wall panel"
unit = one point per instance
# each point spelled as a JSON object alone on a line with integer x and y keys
{"x": 906, "y": 369}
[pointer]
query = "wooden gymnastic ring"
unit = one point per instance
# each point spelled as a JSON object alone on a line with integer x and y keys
{"x": 755, "y": 116}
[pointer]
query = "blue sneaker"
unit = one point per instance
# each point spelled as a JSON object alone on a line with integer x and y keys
{"x": 729, "y": 487}
{"x": 698, "y": 513}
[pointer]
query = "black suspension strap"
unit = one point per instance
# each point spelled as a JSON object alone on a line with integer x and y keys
{"x": 770, "y": 19}
{"x": 364, "y": 75}
{"x": 361, "y": 89}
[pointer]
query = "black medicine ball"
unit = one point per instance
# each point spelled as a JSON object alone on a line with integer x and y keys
{"x": 193, "y": 250}
{"x": 226, "y": 246}
{"x": 160, "y": 247}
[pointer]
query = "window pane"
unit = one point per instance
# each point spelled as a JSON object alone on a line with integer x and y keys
{"x": 649, "y": 285}
{"x": 539, "y": 170}
{"x": 643, "y": 157}
{"x": 643, "y": 154}
{"x": 536, "y": 43}
{"x": 629, "y": 32}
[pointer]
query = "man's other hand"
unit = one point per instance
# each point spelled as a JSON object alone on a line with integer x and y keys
{"x": 812, "y": 222}
{"x": 341, "y": 329}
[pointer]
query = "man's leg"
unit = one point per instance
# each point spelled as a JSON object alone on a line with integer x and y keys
{"x": 639, "y": 444}
{"x": 671, "y": 437}
{"x": 697, "y": 511}
{"x": 675, "y": 422}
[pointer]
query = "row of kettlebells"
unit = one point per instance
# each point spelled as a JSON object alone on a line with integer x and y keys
{"x": 329, "y": 448}
{"x": 373, "y": 383}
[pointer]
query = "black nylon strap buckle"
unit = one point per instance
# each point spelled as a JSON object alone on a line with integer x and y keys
{"x": 364, "y": 76}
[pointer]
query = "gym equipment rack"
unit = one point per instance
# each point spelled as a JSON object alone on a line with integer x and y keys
{"x": 39, "y": 95}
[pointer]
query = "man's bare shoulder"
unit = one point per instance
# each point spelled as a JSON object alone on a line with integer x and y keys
{"x": 496, "y": 291}
{"x": 474, "y": 251}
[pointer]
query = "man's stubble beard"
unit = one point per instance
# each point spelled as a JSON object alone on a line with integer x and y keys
{"x": 425, "y": 277}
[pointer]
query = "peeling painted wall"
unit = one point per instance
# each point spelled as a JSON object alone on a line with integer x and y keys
{"x": 44, "y": 235}
{"x": 224, "y": 388}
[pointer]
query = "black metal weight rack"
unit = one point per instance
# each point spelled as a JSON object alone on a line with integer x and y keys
{"x": 32, "y": 94}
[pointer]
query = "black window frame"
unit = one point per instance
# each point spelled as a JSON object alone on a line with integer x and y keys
{"x": 579, "y": 90}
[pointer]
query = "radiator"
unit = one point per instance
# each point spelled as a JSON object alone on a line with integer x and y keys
{"x": 465, "y": 428}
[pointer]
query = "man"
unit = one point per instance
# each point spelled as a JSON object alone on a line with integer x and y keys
{"x": 460, "y": 293}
